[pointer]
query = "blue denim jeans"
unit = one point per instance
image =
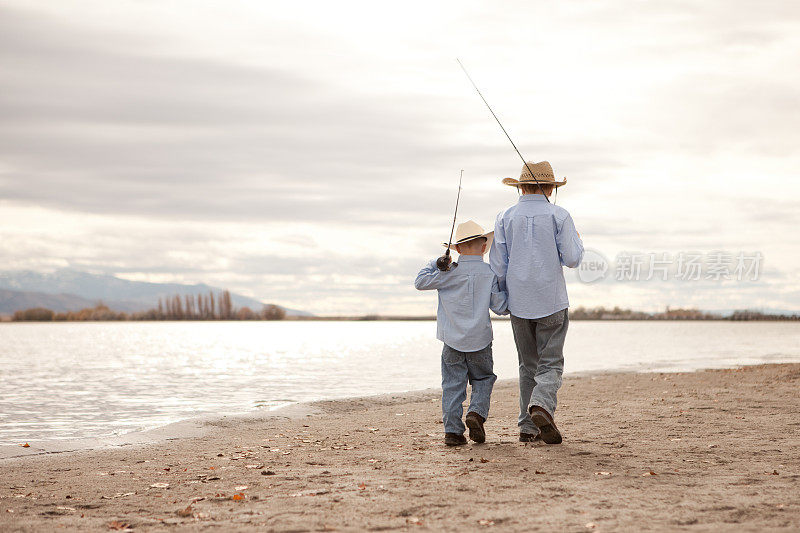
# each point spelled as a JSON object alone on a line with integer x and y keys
{"x": 540, "y": 350}
{"x": 458, "y": 369}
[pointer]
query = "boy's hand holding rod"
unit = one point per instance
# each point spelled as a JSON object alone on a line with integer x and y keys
{"x": 443, "y": 263}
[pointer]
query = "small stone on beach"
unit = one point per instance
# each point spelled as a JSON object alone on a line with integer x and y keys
{"x": 185, "y": 512}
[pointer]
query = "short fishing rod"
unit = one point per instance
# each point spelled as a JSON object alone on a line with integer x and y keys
{"x": 502, "y": 128}
{"x": 443, "y": 263}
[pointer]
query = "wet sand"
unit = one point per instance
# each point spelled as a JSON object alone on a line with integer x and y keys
{"x": 703, "y": 451}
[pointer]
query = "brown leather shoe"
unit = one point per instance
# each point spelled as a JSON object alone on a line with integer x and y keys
{"x": 454, "y": 439}
{"x": 529, "y": 437}
{"x": 474, "y": 422}
{"x": 547, "y": 426}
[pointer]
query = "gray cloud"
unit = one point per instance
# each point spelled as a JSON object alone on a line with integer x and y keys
{"x": 134, "y": 131}
{"x": 92, "y": 124}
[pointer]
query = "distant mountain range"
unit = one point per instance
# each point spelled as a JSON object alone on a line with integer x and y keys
{"x": 73, "y": 290}
{"x": 11, "y": 301}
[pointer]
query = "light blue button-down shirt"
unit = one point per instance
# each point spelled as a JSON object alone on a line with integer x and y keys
{"x": 466, "y": 293}
{"x": 532, "y": 240}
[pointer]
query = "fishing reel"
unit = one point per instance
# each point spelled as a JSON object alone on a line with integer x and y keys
{"x": 445, "y": 262}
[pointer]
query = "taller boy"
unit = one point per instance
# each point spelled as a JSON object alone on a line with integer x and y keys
{"x": 533, "y": 239}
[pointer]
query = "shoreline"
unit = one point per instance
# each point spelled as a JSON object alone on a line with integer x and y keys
{"x": 702, "y": 451}
{"x": 198, "y": 426}
{"x": 194, "y": 427}
{"x": 182, "y": 429}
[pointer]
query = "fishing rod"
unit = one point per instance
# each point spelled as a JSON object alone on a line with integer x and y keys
{"x": 502, "y": 128}
{"x": 443, "y": 263}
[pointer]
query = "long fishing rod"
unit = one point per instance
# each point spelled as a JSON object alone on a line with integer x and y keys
{"x": 443, "y": 263}
{"x": 502, "y": 128}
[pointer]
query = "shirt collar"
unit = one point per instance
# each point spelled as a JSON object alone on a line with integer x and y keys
{"x": 462, "y": 258}
{"x": 533, "y": 198}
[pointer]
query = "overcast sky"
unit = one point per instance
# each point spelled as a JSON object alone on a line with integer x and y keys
{"x": 307, "y": 153}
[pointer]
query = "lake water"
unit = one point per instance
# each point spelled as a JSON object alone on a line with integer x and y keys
{"x": 73, "y": 380}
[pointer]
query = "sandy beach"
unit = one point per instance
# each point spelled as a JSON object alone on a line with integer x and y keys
{"x": 703, "y": 451}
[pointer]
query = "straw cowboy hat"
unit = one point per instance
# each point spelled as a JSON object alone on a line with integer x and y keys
{"x": 542, "y": 171}
{"x": 469, "y": 231}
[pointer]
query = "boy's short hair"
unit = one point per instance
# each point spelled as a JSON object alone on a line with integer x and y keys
{"x": 474, "y": 242}
{"x": 533, "y": 188}
{"x": 479, "y": 240}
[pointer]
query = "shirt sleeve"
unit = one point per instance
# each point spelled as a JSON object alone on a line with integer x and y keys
{"x": 498, "y": 255}
{"x": 570, "y": 245}
{"x": 499, "y": 299}
{"x": 430, "y": 277}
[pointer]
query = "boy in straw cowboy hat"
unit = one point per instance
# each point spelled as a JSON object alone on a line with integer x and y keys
{"x": 533, "y": 240}
{"x": 466, "y": 293}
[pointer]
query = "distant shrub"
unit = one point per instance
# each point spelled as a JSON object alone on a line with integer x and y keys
{"x": 36, "y": 314}
{"x": 98, "y": 313}
{"x": 273, "y": 312}
{"x": 152, "y": 314}
{"x": 245, "y": 313}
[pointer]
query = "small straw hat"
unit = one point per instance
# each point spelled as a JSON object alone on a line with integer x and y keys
{"x": 542, "y": 171}
{"x": 469, "y": 231}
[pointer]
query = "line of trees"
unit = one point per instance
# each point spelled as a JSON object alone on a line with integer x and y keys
{"x": 746, "y": 314}
{"x": 196, "y": 307}
{"x": 41, "y": 314}
{"x": 602, "y": 313}
{"x": 187, "y": 307}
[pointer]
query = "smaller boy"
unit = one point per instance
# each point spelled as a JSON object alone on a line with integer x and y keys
{"x": 466, "y": 293}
